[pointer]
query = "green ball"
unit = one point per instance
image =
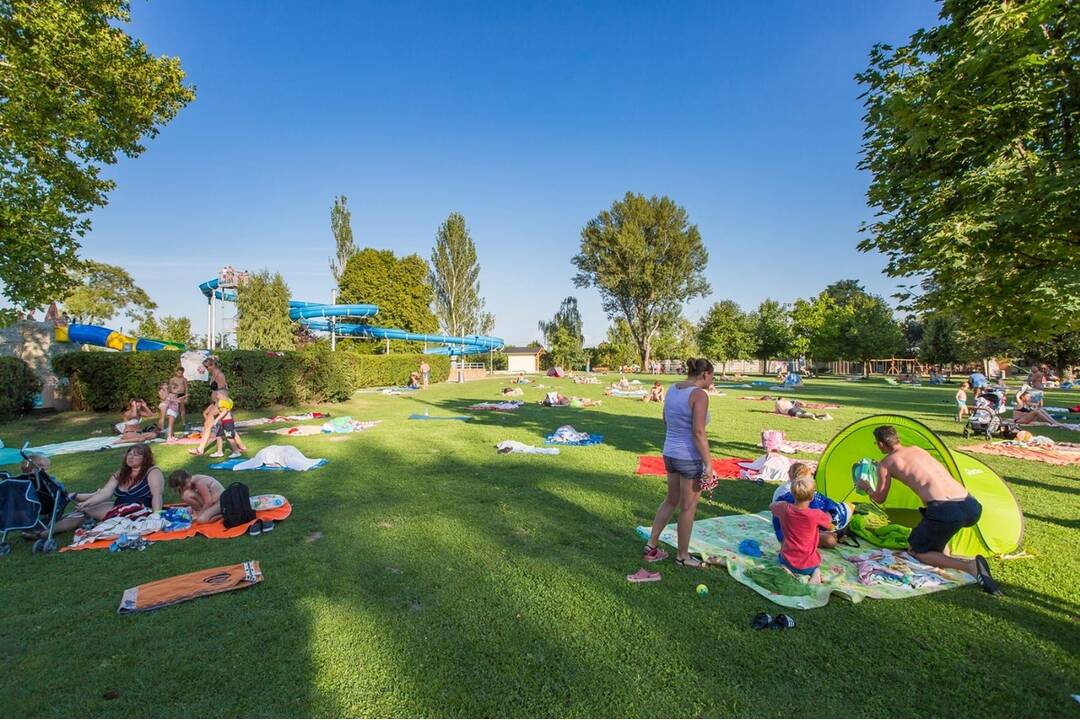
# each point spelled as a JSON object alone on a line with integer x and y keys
{"x": 702, "y": 591}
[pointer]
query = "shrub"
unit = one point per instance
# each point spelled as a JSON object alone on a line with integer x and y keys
{"x": 103, "y": 381}
{"x": 18, "y": 386}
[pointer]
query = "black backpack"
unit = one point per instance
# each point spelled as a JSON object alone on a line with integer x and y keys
{"x": 236, "y": 505}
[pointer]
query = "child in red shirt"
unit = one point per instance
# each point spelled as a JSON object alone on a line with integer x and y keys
{"x": 801, "y": 525}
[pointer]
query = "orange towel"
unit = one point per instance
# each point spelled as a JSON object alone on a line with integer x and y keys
{"x": 1051, "y": 455}
{"x": 214, "y": 529}
{"x": 171, "y": 591}
{"x": 724, "y": 467}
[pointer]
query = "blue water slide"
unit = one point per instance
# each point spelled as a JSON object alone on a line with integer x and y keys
{"x": 318, "y": 317}
{"x": 89, "y": 334}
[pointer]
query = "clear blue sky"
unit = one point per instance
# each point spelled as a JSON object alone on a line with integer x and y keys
{"x": 528, "y": 118}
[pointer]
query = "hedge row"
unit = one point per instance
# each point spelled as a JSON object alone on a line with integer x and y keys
{"x": 18, "y": 386}
{"x": 104, "y": 381}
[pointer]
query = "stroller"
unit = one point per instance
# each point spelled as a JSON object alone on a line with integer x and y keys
{"x": 985, "y": 419}
{"x": 28, "y": 502}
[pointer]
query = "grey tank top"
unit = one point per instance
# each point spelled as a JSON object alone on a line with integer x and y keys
{"x": 679, "y": 419}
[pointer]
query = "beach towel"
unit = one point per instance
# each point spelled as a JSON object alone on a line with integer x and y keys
{"x": 504, "y": 406}
{"x": 719, "y": 538}
{"x": 399, "y": 390}
{"x": 298, "y": 430}
{"x": 254, "y": 422}
{"x": 724, "y": 467}
{"x": 634, "y": 394}
{"x": 267, "y": 507}
{"x": 170, "y": 591}
{"x": 567, "y": 435}
{"x": 272, "y": 457}
{"x": 791, "y": 446}
{"x": 513, "y": 446}
{"x": 418, "y": 416}
{"x": 344, "y": 425}
{"x": 11, "y": 456}
{"x": 1053, "y": 455}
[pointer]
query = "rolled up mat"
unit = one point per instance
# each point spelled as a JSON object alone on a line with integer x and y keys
{"x": 170, "y": 591}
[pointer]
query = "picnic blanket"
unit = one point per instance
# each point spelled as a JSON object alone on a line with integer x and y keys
{"x": 399, "y": 390}
{"x": 272, "y": 457}
{"x": 170, "y": 591}
{"x": 10, "y": 455}
{"x": 567, "y": 435}
{"x": 418, "y": 416}
{"x": 505, "y": 406}
{"x": 267, "y": 507}
{"x": 853, "y": 573}
{"x": 1050, "y": 454}
{"x": 635, "y": 394}
{"x": 345, "y": 424}
{"x": 814, "y": 448}
{"x": 255, "y": 422}
{"x": 298, "y": 430}
{"x": 724, "y": 467}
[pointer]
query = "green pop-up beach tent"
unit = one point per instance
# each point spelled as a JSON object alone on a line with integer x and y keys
{"x": 999, "y": 530}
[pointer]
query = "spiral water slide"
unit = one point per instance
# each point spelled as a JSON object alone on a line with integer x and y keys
{"x": 321, "y": 317}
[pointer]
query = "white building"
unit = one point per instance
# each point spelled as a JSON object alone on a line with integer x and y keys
{"x": 523, "y": 359}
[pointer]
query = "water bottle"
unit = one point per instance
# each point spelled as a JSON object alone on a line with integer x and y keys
{"x": 425, "y": 412}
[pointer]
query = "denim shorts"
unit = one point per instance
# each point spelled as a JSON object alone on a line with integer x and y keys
{"x": 689, "y": 469}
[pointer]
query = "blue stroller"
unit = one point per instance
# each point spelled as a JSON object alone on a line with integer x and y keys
{"x": 28, "y": 502}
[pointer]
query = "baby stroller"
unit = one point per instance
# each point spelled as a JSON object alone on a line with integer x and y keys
{"x": 28, "y": 502}
{"x": 985, "y": 419}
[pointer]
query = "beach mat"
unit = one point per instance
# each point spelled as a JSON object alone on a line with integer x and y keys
{"x": 719, "y": 537}
{"x": 230, "y": 464}
{"x": 173, "y": 590}
{"x": 728, "y": 468}
{"x": 1039, "y": 453}
{"x": 462, "y": 418}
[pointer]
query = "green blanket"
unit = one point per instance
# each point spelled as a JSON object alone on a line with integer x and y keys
{"x": 719, "y": 537}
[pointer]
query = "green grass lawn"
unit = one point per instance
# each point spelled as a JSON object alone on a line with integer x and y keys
{"x": 453, "y": 581}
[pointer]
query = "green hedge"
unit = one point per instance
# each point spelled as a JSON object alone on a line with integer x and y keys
{"x": 104, "y": 381}
{"x": 18, "y": 386}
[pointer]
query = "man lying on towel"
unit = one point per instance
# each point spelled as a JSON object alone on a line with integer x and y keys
{"x": 949, "y": 506}
{"x": 795, "y": 409}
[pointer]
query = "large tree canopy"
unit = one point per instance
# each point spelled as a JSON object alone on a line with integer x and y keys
{"x": 455, "y": 280}
{"x": 971, "y": 138}
{"x": 262, "y": 308}
{"x": 344, "y": 246}
{"x": 646, "y": 259}
{"x": 103, "y": 292}
{"x": 397, "y": 285}
{"x": 771, "y": 325}
{"x": 75, "y": 92}
{"x": 725, "y": 333}
{"x": 845, "y": 322}
{"x": 563, "y": 335}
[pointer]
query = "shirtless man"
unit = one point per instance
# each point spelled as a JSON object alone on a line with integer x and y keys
{"x": 201, "y": 493}
{"x": 949, "y": 507}
{"x": 795, "y": 409}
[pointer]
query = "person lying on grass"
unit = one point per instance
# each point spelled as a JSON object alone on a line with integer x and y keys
{"x": 949, "y": 507}
{"x": 802, "y": 526}
{"x": 222, "y": 426}
{"x": 656, "y": 394}
{"x": 1027, "y": 412}
{"x": 795, "y": 409}
{"x": 136, "y": 411}
{"x": 201, "y": 493}
{"x": 137, "y": 481}
{"x": 686, "y": 459}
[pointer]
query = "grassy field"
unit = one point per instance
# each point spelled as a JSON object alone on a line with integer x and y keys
{"x": 452, "y": 581}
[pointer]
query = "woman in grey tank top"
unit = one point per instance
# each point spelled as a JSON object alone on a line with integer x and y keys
{"x": 686, "y": 459}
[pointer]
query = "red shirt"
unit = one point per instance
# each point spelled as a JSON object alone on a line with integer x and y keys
{"x": 800, "y": 526}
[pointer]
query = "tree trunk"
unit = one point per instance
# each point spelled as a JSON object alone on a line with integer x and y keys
{"x": 646, "y": 347}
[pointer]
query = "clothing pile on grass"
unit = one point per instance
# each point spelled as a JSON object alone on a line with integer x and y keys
{"x": 567, "y": 435}
{"x": 773, "y": 466}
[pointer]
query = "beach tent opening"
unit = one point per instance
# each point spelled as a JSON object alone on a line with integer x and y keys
{"x": 999, "y": 530}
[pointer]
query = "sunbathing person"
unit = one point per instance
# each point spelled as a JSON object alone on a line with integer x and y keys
{"x": 137, "y": 481}
{"x": 948, "y": 505}
{"x": 137, "y": 410}
{"x": 796, "y": 409}
{"x": 201, "y": 493}
{"x": 1027, "y": 412}
{"x": 656, "y": 394}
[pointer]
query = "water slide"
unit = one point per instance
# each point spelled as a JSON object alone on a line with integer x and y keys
{"x": 104, "y": 337}
{"x": 318, "y": 317}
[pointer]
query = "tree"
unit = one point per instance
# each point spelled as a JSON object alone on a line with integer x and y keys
{"x": 397, "y": 285}
{"x": 619, "y": 348}
{"x": 844, "y": 322}
{"x": 262, "y": 307}
{"x": 677, "y": 338}
{"x": 725, "y": 334}
{"x": 563, "y": 335}
{"x": 455, "y": 279}
{"x": 971, "y": 140}
{"x": 646, "y": 259}
{"x": 341, "y": 226}
{"x": 103, "y": 292}
{"x": 941, "y": 343}
{"x": 1061, "y": 351}
{"x": 173, "y": 329}
{"x": 75, "y": 92}
{"x": 772, "y": 330}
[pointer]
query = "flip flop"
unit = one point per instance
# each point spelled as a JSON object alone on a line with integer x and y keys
{"x": 761, "y": 621}
{"x": 690, "y": 562}
{"x": 643, "y": 575}
{"x": 217, "y": 454}
{"x": 984, "y": 578}
{"x": 256, "y": 528}
{"x": 783, "y": 622}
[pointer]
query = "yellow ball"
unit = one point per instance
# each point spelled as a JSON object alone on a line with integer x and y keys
{"x": 702, "y": 591}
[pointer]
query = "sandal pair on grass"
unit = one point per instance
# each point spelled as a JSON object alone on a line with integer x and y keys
{"x": 764, "y": 620}
{"x": 260, "y": 526}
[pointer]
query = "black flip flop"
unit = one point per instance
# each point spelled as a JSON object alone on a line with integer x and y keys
{"x": 984, "y": 578}
{"x": 761, "y": 621}
{"x": 783, "y": 622}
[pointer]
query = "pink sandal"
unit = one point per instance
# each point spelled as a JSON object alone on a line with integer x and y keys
{"x": 653, "y": 554}
{"x": 644, "y": 575}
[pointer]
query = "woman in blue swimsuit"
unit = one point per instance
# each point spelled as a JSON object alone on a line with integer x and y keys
{"x": 137, "y": 481}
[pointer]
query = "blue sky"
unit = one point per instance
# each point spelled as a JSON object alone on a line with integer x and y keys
{"x": 528, "y": 118}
